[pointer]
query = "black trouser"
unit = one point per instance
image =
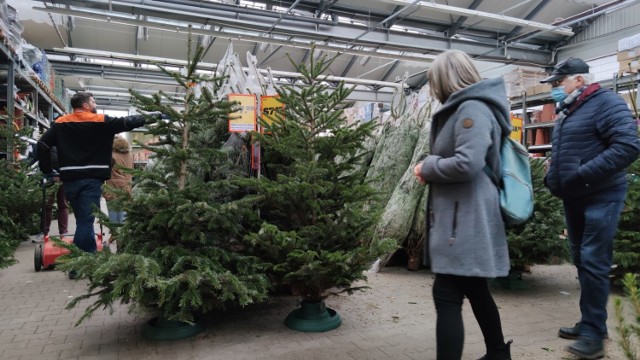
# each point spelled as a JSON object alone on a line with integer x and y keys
{"x": 449, "y": 292}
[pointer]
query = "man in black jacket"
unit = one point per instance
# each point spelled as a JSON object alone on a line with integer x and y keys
{"x": 83, "y": 140}
{"x": 595, "y": 139}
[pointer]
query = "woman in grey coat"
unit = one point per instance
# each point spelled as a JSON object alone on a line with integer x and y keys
{"x": 467, "y": 240}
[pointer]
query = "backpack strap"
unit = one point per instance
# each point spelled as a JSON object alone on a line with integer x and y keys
{"x": 495, "y": 179}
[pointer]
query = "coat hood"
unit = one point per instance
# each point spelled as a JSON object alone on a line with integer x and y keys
{"x": 120, "y": 145}
{"x": 490, "y": 91}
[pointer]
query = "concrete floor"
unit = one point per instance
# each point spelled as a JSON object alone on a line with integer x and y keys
{"x": 394, "y": 319}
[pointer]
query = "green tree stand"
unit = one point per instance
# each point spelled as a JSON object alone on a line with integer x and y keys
{"x": 313, "y": 317}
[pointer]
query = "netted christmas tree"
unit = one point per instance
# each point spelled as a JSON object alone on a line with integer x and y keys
{"x": 539, "y": 240}
{"x": 183, "y": 253}
{"x": 626, "y": 247}
{"x": 319, "y": 210}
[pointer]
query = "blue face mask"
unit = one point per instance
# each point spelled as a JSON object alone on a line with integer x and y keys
{"x": 558, "y": 94}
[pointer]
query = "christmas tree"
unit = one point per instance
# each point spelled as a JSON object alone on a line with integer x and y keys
{"x": 626, "y": 247}
{"x": 183, "y": 253}
{"x": 318, "y": 209}
{"x": 20, "y": 196}
{"x": 538, "y": 240}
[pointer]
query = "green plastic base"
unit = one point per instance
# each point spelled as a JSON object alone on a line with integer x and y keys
{"x": 313, "y": 317}
{"x": 513, "y": 281}
{"x": 160, "y": 328}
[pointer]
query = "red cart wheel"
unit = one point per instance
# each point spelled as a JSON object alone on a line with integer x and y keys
{"x": 37, "y": 258}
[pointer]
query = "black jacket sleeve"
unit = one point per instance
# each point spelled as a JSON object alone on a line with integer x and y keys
{"x": 125, "y": 123}
{"x": 46, "y": 142}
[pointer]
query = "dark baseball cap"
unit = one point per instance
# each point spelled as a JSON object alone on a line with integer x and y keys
{"x": 571, "y": 66}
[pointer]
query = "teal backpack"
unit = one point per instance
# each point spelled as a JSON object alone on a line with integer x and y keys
{"x": 514, "y": 183}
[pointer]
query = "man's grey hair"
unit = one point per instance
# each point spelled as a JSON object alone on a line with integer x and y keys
{"x": 588, "y": 78}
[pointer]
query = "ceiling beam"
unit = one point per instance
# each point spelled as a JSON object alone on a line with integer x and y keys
{"x": 382, "y": 24}
{"x": 393, "y": 44}
{"x": 454, "y": 28}
{"x": 95, "y": 68}
{"x": 391, "y": 69}
{"x": 122, "y": 101}
{"x": 489, "y": 16}
{"x": 349, "y": 66}
{"x": 612, "y": 6}
{"x": 264, "y": 61}
{"x": 273, "y": 26}
{"x": 529, "y": 16}
{"x": 324, "y": 6}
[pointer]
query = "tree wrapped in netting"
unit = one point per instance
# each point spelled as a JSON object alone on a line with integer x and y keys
{"x": 183, "y": 252}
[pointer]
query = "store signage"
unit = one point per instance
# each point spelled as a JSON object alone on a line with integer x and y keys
{"x": 516, "y": 132}
{"x": 269, "y": 108}
{"x": 244, "y": 119}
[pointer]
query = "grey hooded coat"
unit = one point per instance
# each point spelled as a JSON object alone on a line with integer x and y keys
{"x": 466, "y": 231}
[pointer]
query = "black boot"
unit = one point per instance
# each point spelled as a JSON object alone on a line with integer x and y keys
{"x": 502, "y": 354}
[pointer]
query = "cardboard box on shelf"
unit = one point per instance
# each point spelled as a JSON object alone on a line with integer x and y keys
{"x": 542, "y": 88}
{"x": 531, "y": 90}
{"x": 519, "y": 80}
{"x": 629, "y": 54}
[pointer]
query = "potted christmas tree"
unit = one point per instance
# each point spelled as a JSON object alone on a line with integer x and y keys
{"x": 183, "y": 254}
{"x": 318, "y": 209}
{"x": 626, "y": 247}
{"x": 538, "y": 240}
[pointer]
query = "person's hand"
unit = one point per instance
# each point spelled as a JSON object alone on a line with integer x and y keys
{"x": 416, "y": 171}
{"x": 49, "y": 178}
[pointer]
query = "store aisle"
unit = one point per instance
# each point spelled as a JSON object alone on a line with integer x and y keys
{"x": 394, "y": 319}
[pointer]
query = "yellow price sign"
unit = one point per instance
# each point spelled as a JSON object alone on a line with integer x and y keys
{"x": 270, "y": 108}
{"x": 244, "y": 119}
{"x": 516, "y": 131}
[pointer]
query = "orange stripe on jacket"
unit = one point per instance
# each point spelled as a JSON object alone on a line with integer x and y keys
{"x": 81, "y": 116}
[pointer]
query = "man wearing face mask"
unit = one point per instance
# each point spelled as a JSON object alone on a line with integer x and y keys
{"x": 595, "y": 139}
{"x": 83, "y": 140}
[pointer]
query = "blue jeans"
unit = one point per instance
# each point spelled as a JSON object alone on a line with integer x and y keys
{"x": 84, "y": 197}
{"x": 591, "y": 231}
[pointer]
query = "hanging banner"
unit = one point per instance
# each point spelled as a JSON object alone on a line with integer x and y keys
{"x": 244, "y": 119}
{"x": 516, "y": 131}
{"x": 269, "y": 106}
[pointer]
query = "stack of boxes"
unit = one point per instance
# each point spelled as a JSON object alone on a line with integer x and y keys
{"x": 629, "y": 54}
{"x": 522, "y": 81}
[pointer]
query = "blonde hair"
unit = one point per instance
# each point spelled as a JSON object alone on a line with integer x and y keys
{"x": 451, "y": 71}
